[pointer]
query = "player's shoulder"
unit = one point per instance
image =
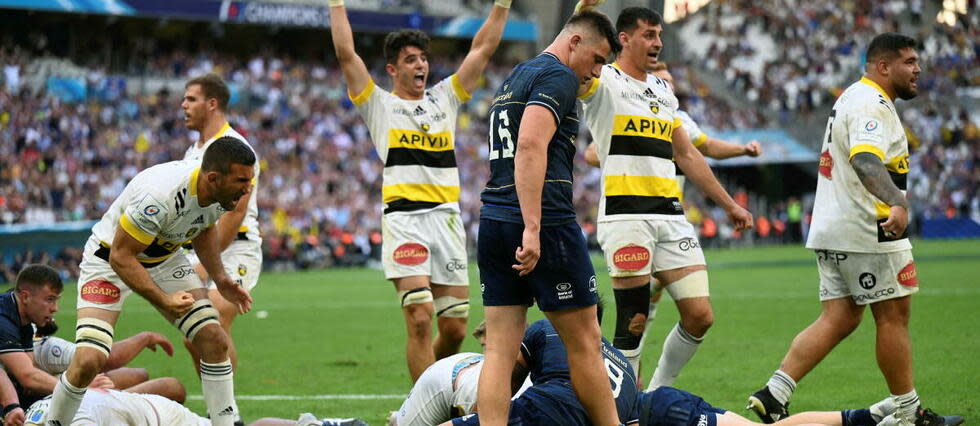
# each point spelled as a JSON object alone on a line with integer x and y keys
{"x": 163, "y": 179}
{"x": 864, "y": 96}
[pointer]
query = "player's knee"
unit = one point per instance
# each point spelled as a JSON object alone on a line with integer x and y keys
{"x": 212, "y": 341}
{"x": 453, "y": 329}
{"x": 419, "y": 321}
{"x": 842, "y": 325}
{"x": 198, "y": 319}
{"x": 699, "y": 321}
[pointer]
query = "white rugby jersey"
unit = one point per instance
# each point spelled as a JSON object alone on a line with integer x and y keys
{"x": 846, "y": 216}
{"x": 632, "y": 123}
{"x": 415, "y": 139}
{"x": 159, "y": 207}
{"x": 250, "y": 224}
{"x": 112, "y": 407}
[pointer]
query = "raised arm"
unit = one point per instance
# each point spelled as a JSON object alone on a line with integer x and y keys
{"x": 355, "y": 72}
{"x": 484, "y": 44}
{"x": 695, "y": 168}
{"x": 721, "y": 149}
{"x": 875, "y": 178}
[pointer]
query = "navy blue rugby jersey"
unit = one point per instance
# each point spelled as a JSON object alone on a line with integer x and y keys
{"x": 547, "y": 82}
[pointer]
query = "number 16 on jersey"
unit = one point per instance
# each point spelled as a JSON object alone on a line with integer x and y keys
{"x": 502, "y": 144}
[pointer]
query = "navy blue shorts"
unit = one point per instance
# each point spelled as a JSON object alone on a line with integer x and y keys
{"x": 545, "y": 404}
{"x": 563, "y": 278}
{"x": 667, "y": 406}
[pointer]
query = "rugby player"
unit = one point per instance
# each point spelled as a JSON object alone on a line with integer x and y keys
{"x": 413, "y": 129}
{"x": 205, "y": 102}
{"x": 136, "y": 248}
{"x": 709, "y": 147}
{"x": 530, "y": 249}
{"x": 642, "y": 229}
{"x": 860, "y": 238}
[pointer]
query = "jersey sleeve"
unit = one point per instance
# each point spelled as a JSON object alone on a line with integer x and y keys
{"x": 450, "y": 92}
{"x": 534, "y": 340}
{"x": 142, "y": 219}
{"x": 698, "y": 137}
{"x": 10, "y": 337}
{"x": 371, "y": 104}
{"x": 555, "y": 89}
{"x": 866, "y": 131}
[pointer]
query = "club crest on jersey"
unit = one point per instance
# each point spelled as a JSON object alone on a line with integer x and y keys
{"x": 242, "y": 270}
{"x": 100, "y": 291}
{"x": 631, "y": 258}
{"x": 151, "y": 210}
{"x": 410, "y": 254}
{"x": 425, "y": 127}
{"x": 826, "y": 165}
{"x": 871, "y": 125}
{"x": 654, "y": 108}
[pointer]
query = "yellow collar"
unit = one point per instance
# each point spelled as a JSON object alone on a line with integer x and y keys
{"x": 871, "y": 83}
{"x": 224, "y": 129}
{"x": 193, "y": 184}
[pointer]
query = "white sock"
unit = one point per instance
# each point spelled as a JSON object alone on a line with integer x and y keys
{"x": 219, "y": 392}
{"x": 781, "y": 386}
{"x": 882, "y": 409}
{"x": 679, "y": 348}
{"x": 64, "y": 402}
{"x": 907, "y": 403}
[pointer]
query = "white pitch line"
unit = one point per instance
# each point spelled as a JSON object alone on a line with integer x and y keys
{"x": 309, "y": 397}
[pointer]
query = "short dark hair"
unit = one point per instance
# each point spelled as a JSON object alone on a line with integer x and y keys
{"x": 36, "y": 276}
{"x": 224, "y": 152}
{"x": 888, "y": 45}
{"x": 598, "y": 23}
{"x": 213, "y": 86}
{"x": 396, "y": 41}
{"x": 630, "y": 17}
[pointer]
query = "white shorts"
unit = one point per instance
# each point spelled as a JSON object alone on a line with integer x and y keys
{"x": 866, "y": 277}
{"x": 446, "y": 389}
{"x": 431, "y": 244}
{"x": 100, "y": 287}
{"x": 634, "y": 248}
{"x": 242, "y": 261}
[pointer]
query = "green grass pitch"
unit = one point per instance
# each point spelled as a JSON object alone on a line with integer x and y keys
{"x": 339, "y": 332}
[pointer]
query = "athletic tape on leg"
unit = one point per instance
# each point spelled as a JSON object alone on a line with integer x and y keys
{"x": 201, "y": 314}
{"x": 694, "y": 284}
{"x": 94, "y": 333}
{"x": 415, "y": 296}
{"x": 452, "y": 307}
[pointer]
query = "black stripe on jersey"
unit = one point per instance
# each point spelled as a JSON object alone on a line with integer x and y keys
{"x": 901, "y": 180}
{"x": 640, "y": 146}
{"x": 403, "y": 205}
{"x": 157, "y": 250}
{"x": 639, "y": 204}
{"x": 103, "y": 253}
{"x": 418, "y": 157}
{"x": 678, "y": 171}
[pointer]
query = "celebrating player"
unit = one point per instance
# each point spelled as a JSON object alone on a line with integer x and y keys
{"x": 205, "y": 100}
{"x": 529, "y": 247}
{"x": 135, "y": 248}
{"x": 859, "y": 235}
{"x": 642, "y": 229}
{"x": 413, "y": 129}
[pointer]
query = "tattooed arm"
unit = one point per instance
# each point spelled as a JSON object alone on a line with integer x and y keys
{"x": 873, "y": 175}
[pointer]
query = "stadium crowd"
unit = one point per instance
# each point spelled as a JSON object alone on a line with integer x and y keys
{"x": 320, "y": 189}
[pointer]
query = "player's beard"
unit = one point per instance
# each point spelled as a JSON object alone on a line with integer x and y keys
{"x": 906, "y": 92}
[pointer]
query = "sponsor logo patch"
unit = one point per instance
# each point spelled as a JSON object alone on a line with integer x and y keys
{"x": 907, "y": 276}
{"x": 689, "y": 244}
{"x": 242, "y": 270}
{"x": 871, "y": 125}
{"x": 182, "y": 272}
{"x": 867, "y": 280}
{"x": 455, "y": 265}
{"x": 151, "y": 210}
{"x": 564, "y": 291}
{"x": 100, "y": 291}
{"x": 631, "y": 258}
{"x": 826, "y": 165}
{"x": 56, "y": 351}
{"x": 593, "y": 284}
{"x": 410, "y": 254}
